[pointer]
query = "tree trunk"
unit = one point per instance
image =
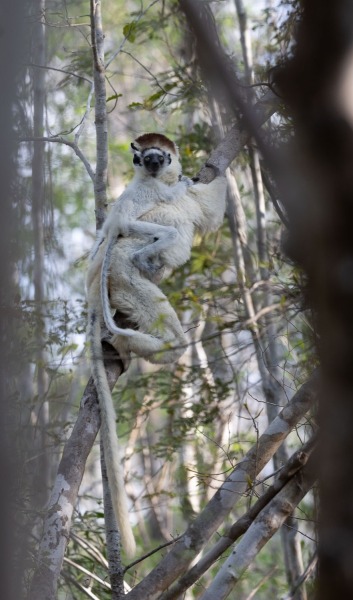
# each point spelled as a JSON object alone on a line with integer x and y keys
{"x": 64, "y": 494}
{"x": 13, "y": 53}
{"x": 116, "y": 571}
{"x": 316, "y": 85}
{"x": 41, "y": 472}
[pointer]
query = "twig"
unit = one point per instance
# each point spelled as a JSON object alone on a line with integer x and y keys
{"x": 49, "y": 68}
{"x": 309, "y": 569}
{"x": 79, "y": 586}
{"x": 142, "y": 558}
{"x": 83, "y": 120}
{"x": 90, "y": 549}
{"x": 147, "y": 71}
{"x": 263, "y": 311}
{"x": 73, "y": 145}
{"x": 87, "y": 572}
{"x": 261, "y": 582}
{"x": 142, "y": 13}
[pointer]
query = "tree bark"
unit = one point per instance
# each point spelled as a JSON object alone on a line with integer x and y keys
{"x": 320, "y": 212}
{"x": 13, "y": 53}
{"x": 100, "y": 109}
{"x": 112, "y": 535}
{"x": 41, "y": 473}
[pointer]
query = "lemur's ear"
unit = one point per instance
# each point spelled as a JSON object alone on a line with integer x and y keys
{"x": 137, "y": 155}
{"x": 137, "y": 159}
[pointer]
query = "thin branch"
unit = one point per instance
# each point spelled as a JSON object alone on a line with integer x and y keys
{"x": 96, "y": 35}
{"x": 151, "y": 553}
{"x": 87, "y": 572}
{"x": 85, "y": 116}
{"x": 90, "y": 549}
{"x": 148, "y": 71}
{"x": 274, "y": 197}
{"x": 49, "y": 68}
{"x": 264, "y": 311}
{"x": 302, "y": 579}
{"x": 100, "y": 113}
{"x": 79, "y": 586}
{"x": 73, "y": 145}
{"x": 115, "y": 54}
{"x": 261, "y": 583}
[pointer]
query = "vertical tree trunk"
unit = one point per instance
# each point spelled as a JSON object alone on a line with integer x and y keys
{"x": 320, "y": 209}
{"x": 12, "y": 538}
{"x": 116, "y": 572}
{"x": 38, "y": 204}
{"x": 100, "y": 194}
{"x": 275, "y": 393}
{"x": 100, "y": 110}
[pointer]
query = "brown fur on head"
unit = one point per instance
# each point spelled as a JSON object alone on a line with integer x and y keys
{"x": 156, "y": 140}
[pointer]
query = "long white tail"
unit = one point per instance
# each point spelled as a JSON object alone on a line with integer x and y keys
{"x": 110, "y": 438}
{"x": 108, "y": 319}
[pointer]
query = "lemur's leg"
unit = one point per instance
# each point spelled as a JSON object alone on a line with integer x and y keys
{"x": 161, "y": 236}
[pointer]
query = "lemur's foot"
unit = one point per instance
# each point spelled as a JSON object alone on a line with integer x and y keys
{"x": 149, "y": 267}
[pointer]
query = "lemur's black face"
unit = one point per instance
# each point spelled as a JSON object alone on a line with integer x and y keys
{"x": 152, "y": 159}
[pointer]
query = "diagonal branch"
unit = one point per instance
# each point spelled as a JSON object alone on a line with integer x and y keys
{"x": 219, "y": 71}
{"x": 262, "y": 529}
{"x": 219, "y": 507}
{"x": 100, "y": 109}
{"x": 61, "y": 140}
{"x": 295, "y": 463}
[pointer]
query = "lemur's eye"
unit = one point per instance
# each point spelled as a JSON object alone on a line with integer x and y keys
{"x": 147, "y": 159}
{"x": 161, "y": 159}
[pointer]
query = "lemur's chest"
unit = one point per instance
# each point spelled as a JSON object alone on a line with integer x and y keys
{"x": 176, "y": 214}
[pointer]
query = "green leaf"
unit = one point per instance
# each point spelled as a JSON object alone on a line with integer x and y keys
{"x": 114, "y": 97}
{"x": 64, "y": 350}
{"x": 129, "y": 31}
{"x": 135, "y": 105}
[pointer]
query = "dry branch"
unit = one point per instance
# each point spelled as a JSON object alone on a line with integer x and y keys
{"x": 295, "y": 463}
{"x": 219, "y": 507}
{"x": 262, "y": 529}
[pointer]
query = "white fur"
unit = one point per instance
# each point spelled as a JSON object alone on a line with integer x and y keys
{"x": 159, "y": 337}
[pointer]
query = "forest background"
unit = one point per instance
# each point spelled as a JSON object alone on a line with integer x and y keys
{"x": 237, "y": 414}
